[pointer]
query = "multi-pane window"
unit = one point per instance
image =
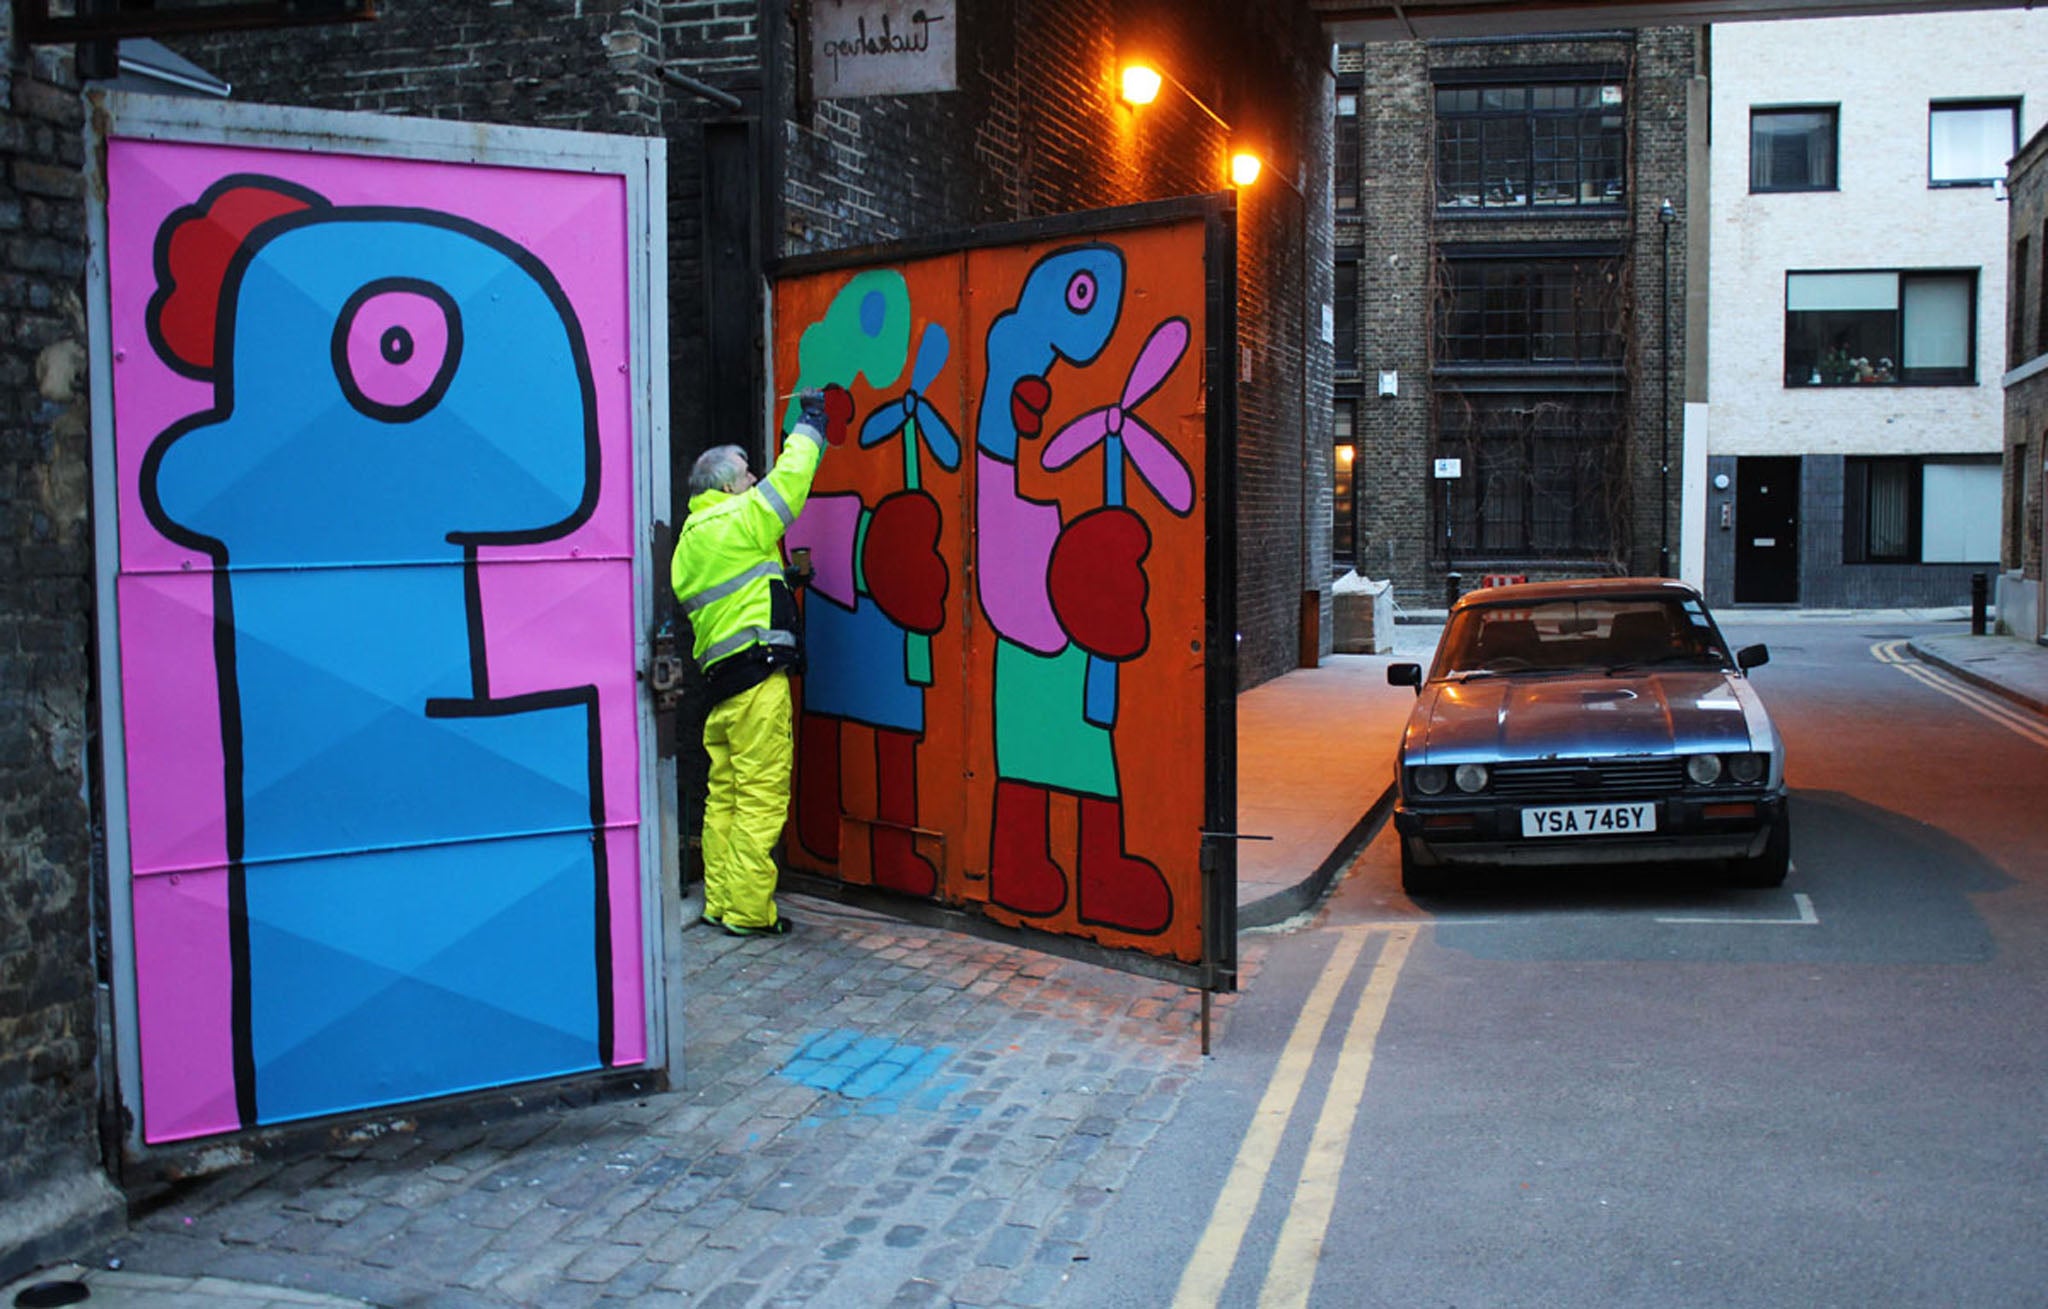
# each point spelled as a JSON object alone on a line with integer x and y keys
{"x": 1792, "y": 149}
{"x": 1531, "y": 311}
{"x": 1913, "y": 509}
{"x": 1885, "y": 327}
{"x": 1343, "y": 500}
{"x": 1540, "y": 473}
{"x": 2016, "y": 506}
{"x": 2041, "y": 330}
{"x": 1345, "y": 183}
{"x": 1549, "y": 145}
{"x": 2022, "y": 262}
{"x": 1344, "y": 316}
{"x": 1969, "y": 141}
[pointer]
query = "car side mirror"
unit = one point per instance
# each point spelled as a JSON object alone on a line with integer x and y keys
{"x": 1752, "y": 656}
{"x": 1405, "y": 675}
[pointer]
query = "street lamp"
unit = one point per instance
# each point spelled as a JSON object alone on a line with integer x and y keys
{"x": 1666, "y": 216}
{"x": 1141, "y": 83}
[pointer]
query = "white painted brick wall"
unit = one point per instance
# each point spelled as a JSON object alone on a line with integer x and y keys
{"x": 1882, "y": 72}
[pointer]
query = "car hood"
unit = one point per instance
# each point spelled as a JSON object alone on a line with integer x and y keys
{"x": 1573, "y": 717}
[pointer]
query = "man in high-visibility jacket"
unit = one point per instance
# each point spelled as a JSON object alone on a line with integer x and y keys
{"x": 728, "y": 577}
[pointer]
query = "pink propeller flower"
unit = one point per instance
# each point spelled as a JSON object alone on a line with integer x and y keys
{"x": 1122, "y": 434}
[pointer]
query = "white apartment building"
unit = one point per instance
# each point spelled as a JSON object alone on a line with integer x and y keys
{"x": 1847, "y": 454}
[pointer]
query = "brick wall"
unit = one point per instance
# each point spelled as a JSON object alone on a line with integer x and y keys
{"x": 1036, "y": 129}
{"x": 1397, "y": 234}
{"x": 588, "y": 65}
{"x": 2026, "y": 399}
{"x": 50, "y": 1190}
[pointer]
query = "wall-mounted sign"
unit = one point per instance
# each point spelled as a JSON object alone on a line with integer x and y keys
{"x": 1449, "y": 468}
{"x": 881, "y": 47}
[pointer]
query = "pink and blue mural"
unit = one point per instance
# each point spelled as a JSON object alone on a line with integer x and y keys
{"x": 373, "y": 435}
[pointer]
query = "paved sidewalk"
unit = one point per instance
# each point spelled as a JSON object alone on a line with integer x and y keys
{"x": 2011, "y": 666}
{"x": 876, "y": 1114}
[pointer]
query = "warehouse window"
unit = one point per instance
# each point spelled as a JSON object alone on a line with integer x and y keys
{"x": 1540, "y": 473}
{"x": 1531, "y": 311}
{"x": 1543, "y": 146}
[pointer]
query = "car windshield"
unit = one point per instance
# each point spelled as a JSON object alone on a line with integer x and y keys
{"x": 1616, "y": 634}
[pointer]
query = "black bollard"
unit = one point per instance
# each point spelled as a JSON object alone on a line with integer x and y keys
{"x": 1980, "y": 596}
{"x": 1451, "y": 581}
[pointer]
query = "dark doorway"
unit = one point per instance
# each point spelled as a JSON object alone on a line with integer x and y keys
{"x": 1767, "y": 531}
{"x": 732, "y": 304}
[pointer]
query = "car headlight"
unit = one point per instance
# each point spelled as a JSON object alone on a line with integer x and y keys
{"x": 1430, "y": 779}
{"x": 1470, "y": 777}
{"x": 1747, "y": 768}
{"x": 1703, "y": 769}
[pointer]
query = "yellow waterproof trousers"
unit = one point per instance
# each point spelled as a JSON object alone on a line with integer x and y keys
{"x": 748, "y": 739}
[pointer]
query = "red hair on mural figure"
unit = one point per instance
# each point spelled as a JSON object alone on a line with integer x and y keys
{"x": 194, "y": 248}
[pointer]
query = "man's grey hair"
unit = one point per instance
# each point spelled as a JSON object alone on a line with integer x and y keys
{"x": 717, "y": 468}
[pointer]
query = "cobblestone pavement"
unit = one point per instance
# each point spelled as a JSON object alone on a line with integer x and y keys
{"x": 875, "y": 1114}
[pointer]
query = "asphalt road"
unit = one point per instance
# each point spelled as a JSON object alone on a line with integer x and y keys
{"x": 1628, "y": 1089}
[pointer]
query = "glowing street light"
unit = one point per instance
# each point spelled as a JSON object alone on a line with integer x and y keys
{"x": 1141, "y": 84}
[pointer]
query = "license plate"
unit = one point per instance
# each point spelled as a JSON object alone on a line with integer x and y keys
{"x": 1589, "y": 819}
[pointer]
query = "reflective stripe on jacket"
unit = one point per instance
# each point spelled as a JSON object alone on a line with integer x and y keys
{"x": 728, "y": 560}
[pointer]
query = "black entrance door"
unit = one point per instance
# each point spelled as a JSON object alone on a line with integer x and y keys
{"x": 1767, "y": 531}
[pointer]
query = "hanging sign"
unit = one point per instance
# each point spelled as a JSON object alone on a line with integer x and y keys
{"x": 881, "y": 47}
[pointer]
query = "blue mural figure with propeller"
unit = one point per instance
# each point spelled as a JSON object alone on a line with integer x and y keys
{"x": 878, "y": 593}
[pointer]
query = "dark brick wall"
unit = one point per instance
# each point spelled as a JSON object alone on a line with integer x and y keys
{"x": 2026, "y": 402}
{"x": 48, "y": 1042}
{"x": 1036, "y": 129}
{"x": 1396, "y": 235}
{"x": 588, "y": 65}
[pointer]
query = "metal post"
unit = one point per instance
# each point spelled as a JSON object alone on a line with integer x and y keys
{"x": 1980, "y": 602}
{"x": 1665, "y": 217}
{"x": 1450, "y": 539}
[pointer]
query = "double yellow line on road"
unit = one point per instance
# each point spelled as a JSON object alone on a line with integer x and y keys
{"x": 1290, "y": 1274}
{"x": 2012, "y": 717}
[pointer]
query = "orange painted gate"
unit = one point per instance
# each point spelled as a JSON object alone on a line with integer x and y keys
{"x": 1020, "y": 698}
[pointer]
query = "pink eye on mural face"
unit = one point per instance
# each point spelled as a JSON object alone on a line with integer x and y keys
{"x": 1081, "y": 292}
{"x": 395, "y": 348}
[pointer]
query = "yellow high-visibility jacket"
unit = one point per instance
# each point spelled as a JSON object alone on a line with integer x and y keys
{"x": 727, "y": 571}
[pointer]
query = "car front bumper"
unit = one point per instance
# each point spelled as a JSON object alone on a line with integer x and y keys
{"x": 1489, "y": 833}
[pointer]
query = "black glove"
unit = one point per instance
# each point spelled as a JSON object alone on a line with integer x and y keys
{"x": 811, "y": 406}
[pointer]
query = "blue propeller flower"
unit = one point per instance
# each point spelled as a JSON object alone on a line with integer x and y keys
{"x": 914, "y": 410}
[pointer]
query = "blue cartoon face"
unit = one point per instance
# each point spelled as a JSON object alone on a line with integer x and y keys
{"x": 1066, "y": 312}
{"x": 404, "y": 384}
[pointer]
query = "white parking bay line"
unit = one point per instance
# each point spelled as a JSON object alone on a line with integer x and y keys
{"x": 1806, "y": 918}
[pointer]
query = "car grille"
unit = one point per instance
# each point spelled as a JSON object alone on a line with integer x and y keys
{"x": 1572, "y": 779}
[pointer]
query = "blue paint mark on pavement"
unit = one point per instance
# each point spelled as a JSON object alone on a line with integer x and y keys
{"x": 881, "y": 1074}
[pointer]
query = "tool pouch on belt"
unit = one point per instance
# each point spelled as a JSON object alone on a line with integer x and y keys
{"x": 752, "y": 666}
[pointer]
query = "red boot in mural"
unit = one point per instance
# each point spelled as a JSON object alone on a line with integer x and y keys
{"x": 1118, "y": 889}
{"x": 896, "y": 862}
{"x": 817, "y": 786}
{"x": 1021, "y": 875}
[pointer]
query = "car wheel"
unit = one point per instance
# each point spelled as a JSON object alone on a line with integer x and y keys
{"x": 1420, "y": 879}
{"x": 1770, "y": 867}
